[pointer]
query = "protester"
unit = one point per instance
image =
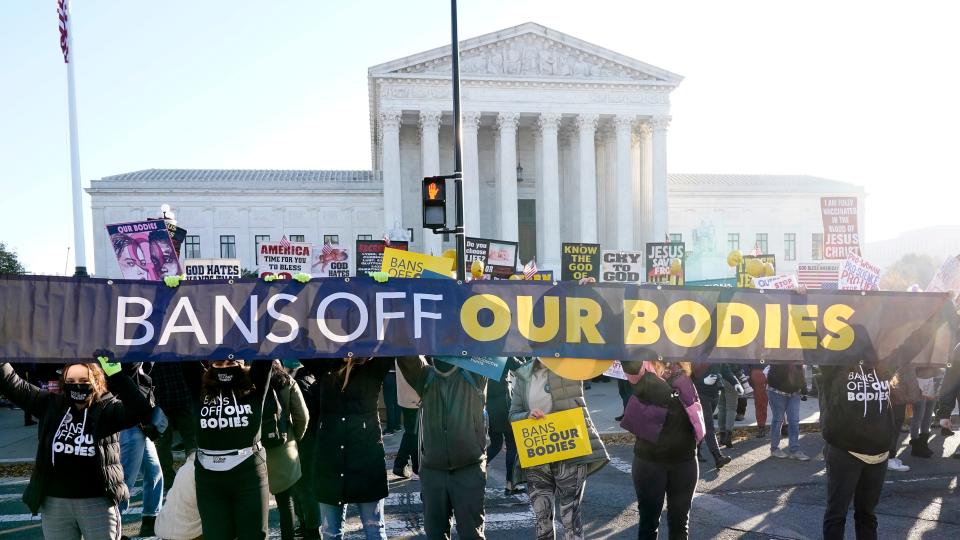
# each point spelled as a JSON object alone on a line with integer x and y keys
{"x": 394, "y": 414}
{"x": 666, "y": 417}
{"x": 453, "y": 471}
{"x": 538, "y": 393}
{"x": 758, "y": 380}
{"x": 499, "y": 398}
{"x": 137, "y": 453}
{"x": 176, "y": 385}
{"x": 858, "y": 426}
{"x": 949, "y": 396}
{"x": 306, "y": 504}
{"x": 407, "y": 454}
{"x": 730, "y": 392}
{"x": 284, "y": 423}
{"x": 350, "y": 455}
{"x": 624, "y": 390}
{"x": 231, "y": 466}
{"x": 77, "y": 481}
{"x": 786, "y": 388}
{"x": 707, "y": 379}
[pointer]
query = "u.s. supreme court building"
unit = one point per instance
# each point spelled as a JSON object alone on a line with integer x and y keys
{"x": 563, "y": 141}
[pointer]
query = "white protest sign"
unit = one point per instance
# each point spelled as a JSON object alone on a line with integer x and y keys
{"x": 947, "y": 278}
{"x": 858, "y": 274}
{"x": 784, "y": 281}
{"x": 330, "y": 261}
{"x": 197, "y": 269}
{"x": 622, "y": 266}
{"x": 615, "y": 371}
{"x": 283, "y": 259}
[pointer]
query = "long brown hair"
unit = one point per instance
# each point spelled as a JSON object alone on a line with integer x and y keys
{"x": 94, "y": 374}
{"x": 662, "y": 369}
{"x": 211, "y": 386}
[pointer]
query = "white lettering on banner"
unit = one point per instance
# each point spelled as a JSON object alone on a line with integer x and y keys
{"x": 250, "y": 333}
{"x": 280, "y": 317}
{"x": 123, "y": 320}
{"x": 185, "y": 306}
{"x": 384, "y": 315}
{"x": 419, "y": 314}
{"x": 322, "y": 321}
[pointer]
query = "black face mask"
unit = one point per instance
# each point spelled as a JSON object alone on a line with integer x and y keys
{"x": 228, "y": 376}
{"x": 78, "y": 392}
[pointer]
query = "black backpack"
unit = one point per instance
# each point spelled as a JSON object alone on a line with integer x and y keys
{"x": 276, "y": 421}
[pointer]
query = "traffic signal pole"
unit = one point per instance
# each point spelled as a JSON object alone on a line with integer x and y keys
{"x": 459, "y": 234}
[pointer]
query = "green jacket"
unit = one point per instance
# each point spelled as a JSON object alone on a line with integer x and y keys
{"x": 453, "y": 432}
{"x": 567, "y": 394}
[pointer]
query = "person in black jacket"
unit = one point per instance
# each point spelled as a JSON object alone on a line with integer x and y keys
{"x": 708, "y": 379}
{"x": 231, "y": 465}
{"x": 77, "y": 480}
{"x": 305, "y": 501}
{"x": 350, "y": 455}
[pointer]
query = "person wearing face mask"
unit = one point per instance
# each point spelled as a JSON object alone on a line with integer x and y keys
{"x": 77, "y": 480}
{"x": 231, "y": 466}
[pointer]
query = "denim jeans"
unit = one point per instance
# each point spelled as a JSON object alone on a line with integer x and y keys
{"x": 138, "y": 452}
{"x": 780, "y": 404}
{"x": 371, "y": 517}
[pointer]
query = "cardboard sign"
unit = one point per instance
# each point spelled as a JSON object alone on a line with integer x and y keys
{"x": 198, "y": 269}
{"x": 330, "y": 261}
{"x": 499, "y": 257}
{"x": 743, "y": 278}
{"x": 616, "y": 371}
{"x": 555, "y": 437}
{"x": 409, "y": 264}
{"x": 144, "y": 250}
{"x": 370, "y": 254}
{"x": 818, "y": 275}
{"x": 659, "y": 257}
{"x": 579, "y": 261}
{"x": 785, "y": 282}
{"x": 177, "y": 234}
{"x": 622, "y": 266}
{"x": 490, "y": 367}
{"x": 858, "y": 274}
{"x": 841, "y": 237}
{"x": 284, "y": 260}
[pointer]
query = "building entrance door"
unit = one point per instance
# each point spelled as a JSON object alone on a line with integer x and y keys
{"x": 527, "y": 229}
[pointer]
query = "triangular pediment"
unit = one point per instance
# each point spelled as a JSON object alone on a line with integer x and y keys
{"x": 529, "y": 51}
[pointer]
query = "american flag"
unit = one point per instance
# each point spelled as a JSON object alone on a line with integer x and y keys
{"x": 63, "y": 15}
{"x": 386, "y": 239}
{"x": 818, "y": 275}
{"x": 756, "y": 251}
{"x": 326, "y": 249}
{"x": 530, "y": 270}
{"x": 284, "y": 242}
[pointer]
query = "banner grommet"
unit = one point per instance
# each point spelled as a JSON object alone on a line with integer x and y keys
{"x": 463, "y": 353}
{"x": 763, "y": 361}
{"x": 346, "y": 280}
{"x": 555, "y": 283}
{"x": 659, "y": 287}
{"x": 459, "y": 282}
{"x": 109, "y": 282}
{"x": 230, "y": 356}
{"x": 230, "y": 281}
{"x": 556, "y": 355}
{"x": 349, "y": 355}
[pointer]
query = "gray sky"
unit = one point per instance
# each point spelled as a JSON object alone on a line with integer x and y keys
{"x": 863, "y": 92}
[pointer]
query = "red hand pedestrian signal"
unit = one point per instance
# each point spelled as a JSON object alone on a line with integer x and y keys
{"x": 432, "y": 191}
{"x": 434, "y": 203}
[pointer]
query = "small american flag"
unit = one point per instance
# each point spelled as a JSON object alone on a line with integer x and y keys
{"x": 756, "y": 250}
{"x": 284, "y": 242}
{"x": 326, "y": 249}
{"x": 63, "y": 15}
{"x": 386, "y": 239}
{"x": 530, "y": 270}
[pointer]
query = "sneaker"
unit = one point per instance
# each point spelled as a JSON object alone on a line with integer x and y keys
{"x": 401, "y": 472}
{"x": 799, "y": 456}
{"x": 895, "y": 464}
{"x": 723, "y": 460}
{"x": 778, "y": 453}
{"x": 738, "y": 418}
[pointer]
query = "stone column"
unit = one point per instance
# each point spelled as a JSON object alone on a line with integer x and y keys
{"x": 624, "y": 183}
{"x": 392, "y": 188}
{"x": 587, "y": 125}
{"x": 658, "y": 165}
{"x": 646, "y": 183}
{"x": 430, "y": 161}
{"x": 549, "y": 191}
{"x": 507, "y": 123}
{"x": 471, "y": 174}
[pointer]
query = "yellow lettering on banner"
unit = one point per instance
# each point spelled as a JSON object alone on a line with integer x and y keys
{"x": 726, "y": 312}
{"x": 802, "y": 326}
{"x": 771, "y": 327}
{"x": 471, "y": 324}
{"x": 551, "y": 318}
{"x": 583, "y": 316}
{"x": 702, "y": 324}
{"x": 555, "y": 437}
{"x": 639, "y": 322}
{"x": 839, "y": 334}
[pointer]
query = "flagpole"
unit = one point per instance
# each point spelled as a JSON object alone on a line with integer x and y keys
{"x": 69, "y": 57}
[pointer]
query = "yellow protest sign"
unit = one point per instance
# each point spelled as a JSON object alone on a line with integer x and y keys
{"x": 408, "y": 264}
{"x": 555, "y": 437}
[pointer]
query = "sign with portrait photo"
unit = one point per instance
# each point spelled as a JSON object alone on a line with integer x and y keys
{"x": 144, "y": 250}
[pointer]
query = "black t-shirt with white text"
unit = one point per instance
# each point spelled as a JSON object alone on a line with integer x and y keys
{"x": 75, "y": 473}
{"x": 229, "y": 421}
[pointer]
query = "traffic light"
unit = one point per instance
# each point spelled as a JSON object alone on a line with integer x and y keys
{"x": 434, "y": 194}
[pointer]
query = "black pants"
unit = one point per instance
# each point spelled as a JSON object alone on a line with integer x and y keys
{"x": 709, "y": 402}
{"x": 899, "y": 413}
{"x": 656, "y": 482}
{"x": 285, "y": 510}
{"x": 497, "y": 440}
{"x": 625, "y": 389}
{"x": 408, "y": 451}
{"x": 849, "y": 478}
{"x": 394, "y": 410}
{"x": 234, "y": 503}
{"x": 305, "y": 501}
{"x": 458, "y": 493}
{"x": 185, "y": 422}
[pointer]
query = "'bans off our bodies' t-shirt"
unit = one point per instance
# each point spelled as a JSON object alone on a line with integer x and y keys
{"x": 76, "y": 468}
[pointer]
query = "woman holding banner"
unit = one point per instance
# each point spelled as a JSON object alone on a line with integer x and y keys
{"x": 665, "y": 415}
{"x": 231, "y": 465}
{"x": 77, "y": 480}
{"x": 538, "y": 392}
{"x": 350, "y": 455}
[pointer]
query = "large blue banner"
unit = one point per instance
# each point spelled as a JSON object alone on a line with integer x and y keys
{"x": 52, "y": 319}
